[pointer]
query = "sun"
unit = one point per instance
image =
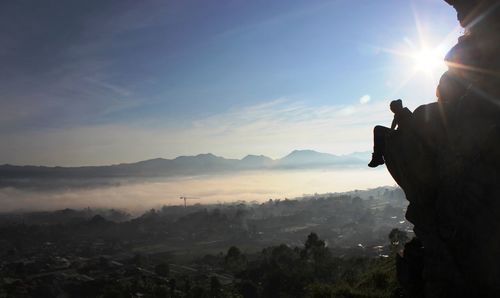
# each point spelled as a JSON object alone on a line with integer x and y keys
{"x": 420, "y": 57}
{"x": 428, "y": 60}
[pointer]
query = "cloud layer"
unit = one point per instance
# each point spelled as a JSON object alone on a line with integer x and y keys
{"x": 136, "y": 197}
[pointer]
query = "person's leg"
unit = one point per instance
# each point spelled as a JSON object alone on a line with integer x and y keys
{"x": 379, "y": 133}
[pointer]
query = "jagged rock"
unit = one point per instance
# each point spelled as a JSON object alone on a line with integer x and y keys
{"x": 410, "y": 267}
{"x": 449, "y": 168}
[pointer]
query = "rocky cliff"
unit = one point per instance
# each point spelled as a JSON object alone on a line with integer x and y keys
{"x": 449, "y": 168}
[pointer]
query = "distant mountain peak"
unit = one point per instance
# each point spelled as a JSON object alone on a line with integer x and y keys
{"x": 255, "y": 157}
{"x": 158, "y": 159}
{"x": 199, "y": 156}
{"x": 304, "y": 151}
{"x": 256, "y": 161}
{"x": 208, "y": 155}
{"x": 305, "y": 158}
{"x": 182, "y": 165}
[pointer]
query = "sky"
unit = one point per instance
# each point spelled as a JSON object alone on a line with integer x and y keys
{"x": 111, "y": 81}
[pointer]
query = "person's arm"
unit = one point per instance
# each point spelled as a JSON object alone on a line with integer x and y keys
{"x": 394, "y": 123}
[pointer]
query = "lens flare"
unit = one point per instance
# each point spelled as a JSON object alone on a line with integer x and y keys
{"x": 428, "y": 60}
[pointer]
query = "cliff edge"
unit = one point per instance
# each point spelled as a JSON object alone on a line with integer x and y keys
{"x": 449, "y": 168}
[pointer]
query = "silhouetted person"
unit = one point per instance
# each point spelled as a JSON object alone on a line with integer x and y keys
{"x": 402, "y": 118}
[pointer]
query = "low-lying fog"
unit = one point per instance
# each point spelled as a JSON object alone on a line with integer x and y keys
{"x": 136, "y": 196}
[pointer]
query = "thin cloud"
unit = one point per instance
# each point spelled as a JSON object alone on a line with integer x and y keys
{"x": 273, "y": 128}
{"x": 365, "y": 99}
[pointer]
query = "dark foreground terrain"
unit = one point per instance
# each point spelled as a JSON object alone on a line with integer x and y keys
{"x": 333, "y": 245}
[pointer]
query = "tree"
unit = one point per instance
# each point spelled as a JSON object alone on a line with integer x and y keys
{"x": 398, "y": 240}
{"x": 215, "y": 286}
{"x": 313, "y": 241}
{"x": 249, "y": 289}
{"x": 233, "y": 253}
{"x": 234, "y": 260}
{"x": 172, "y": 286}
{"x": 138, "y": 260}
{"x": 162, "y": 269}
{"x": 315, "y": 249}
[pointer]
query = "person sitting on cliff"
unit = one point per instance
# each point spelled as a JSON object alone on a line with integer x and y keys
{"x": 402, "y": 118}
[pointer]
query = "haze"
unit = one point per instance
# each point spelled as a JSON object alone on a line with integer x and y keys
{"x": 137, "y": 196}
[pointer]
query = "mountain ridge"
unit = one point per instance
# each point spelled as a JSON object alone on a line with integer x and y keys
{"x": 184, "y": 165}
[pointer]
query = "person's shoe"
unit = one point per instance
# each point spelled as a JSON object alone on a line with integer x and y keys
{"x": 376, "y": 161}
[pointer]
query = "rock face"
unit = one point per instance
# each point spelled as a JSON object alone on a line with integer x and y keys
{"x": 449, "y": 168}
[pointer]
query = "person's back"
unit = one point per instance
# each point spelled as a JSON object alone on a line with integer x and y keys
{"x": 402, "y": 115}
{"x": 402, "y": 120}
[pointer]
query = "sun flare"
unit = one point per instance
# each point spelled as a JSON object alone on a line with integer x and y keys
{"x": 428, "y": 60}
{"x": 420, "y": 58}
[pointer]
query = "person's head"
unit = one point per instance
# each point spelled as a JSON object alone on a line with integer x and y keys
{"x": 396, "y": 105}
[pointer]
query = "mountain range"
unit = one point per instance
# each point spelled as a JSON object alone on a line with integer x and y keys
{"x": 187, "y": 165}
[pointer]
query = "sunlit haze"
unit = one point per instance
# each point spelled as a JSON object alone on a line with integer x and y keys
{"x": 142, "y": 195}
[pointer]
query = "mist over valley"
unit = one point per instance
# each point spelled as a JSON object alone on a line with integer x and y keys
{"x": 152, "y": 183}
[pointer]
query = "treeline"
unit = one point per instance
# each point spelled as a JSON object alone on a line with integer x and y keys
{"x": 280, "y": 271}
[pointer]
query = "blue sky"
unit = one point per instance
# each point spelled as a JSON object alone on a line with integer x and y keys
{"x": 100, "y": 82}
